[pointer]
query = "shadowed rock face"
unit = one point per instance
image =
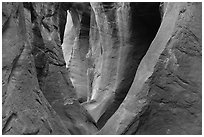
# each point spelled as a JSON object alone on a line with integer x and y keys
{"x": 46, "y": 95}
{"x": 101, "y": 68}
{"x": 56, "y": 84}
{"x": 24, "y": 107}
{"x": 119, "y": 37}
{"x": 133, "y": 38}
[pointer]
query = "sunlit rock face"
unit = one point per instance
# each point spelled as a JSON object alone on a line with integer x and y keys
{"x": 75, "y": 46}
{"x": 76, "y": 62}
{"x": 165, "y": 97}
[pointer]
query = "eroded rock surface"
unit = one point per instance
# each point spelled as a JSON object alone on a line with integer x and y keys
{"x": 75, "y": 46}
{"x": 24, "y": 107}
{"x": 165, "y": 97}
{"x": 101, "y": 68}
{"x": 56, "y": 84}
{"x": 46, "y": 83}
{"x": 124, "y": 35}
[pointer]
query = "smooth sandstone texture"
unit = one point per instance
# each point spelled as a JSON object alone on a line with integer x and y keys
{"x": 120, "y": 35}
{"x": 101, "y": 68}
{"x": 75, "y": 47}
{"x": 165, "y": 97}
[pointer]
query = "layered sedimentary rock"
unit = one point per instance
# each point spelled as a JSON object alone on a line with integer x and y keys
{"x": 165, "y": 97}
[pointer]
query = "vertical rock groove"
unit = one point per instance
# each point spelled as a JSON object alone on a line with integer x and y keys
{"x": 126, "y": 29}
{"x": 104, "y": 68}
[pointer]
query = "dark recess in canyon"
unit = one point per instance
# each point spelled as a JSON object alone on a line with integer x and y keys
{"x": 85, "y": 68}
{"x": 145, "y": 21}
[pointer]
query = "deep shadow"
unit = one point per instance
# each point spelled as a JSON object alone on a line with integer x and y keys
{"x": 145, "y": 22}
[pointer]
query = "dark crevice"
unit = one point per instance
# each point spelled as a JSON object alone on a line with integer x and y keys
{"x": 32, "y": 133}
{"x": 62, "y": 20}
{"x": 15, "y": 63}
{"x": 6, "y": 24}
{"x": 107, "y": 6}
{"x": 8, "y": 121}
{"x": 47, "y": 125}
{"x": 145, "y": 22}
{"x": 38, "y": 101}
{"x": 85, "y": 26}
{"x": 38, "y": 47}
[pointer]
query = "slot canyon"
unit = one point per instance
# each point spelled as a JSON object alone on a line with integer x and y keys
{"x": 101, "y": 68}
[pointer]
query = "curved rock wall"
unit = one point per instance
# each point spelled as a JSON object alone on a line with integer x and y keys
{"x": 120, "y": 36}
{"x": 57, "y": 86}
{"x": 101, "y": 68}
{"x": 50, "y": 83}
{"x": 165, "y": 97}
{"x": 75, "y": 47}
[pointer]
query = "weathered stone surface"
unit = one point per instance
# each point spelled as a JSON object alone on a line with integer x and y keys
{"x": 132, "y": 68}
{"x": 38, "y": 49}
{"x": 75, "y": 47}
{"x": 165, "y": 97}
{"x": 56, "y": 84}
{"x": 120, "y": 36}
{"x": 24, "y": 108}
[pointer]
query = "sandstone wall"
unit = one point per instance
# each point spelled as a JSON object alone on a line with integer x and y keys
{"x": 101, "y": 68}
{"x": 165, "y": 97}
{"x": 40, "y": 77}
{"x": 24, "y": 107}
